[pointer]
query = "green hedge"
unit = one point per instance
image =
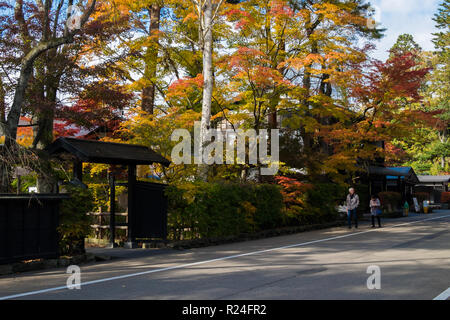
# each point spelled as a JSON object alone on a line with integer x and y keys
{"x": 321, "y": 201}
{"x": 213, "y": 210}
{"x": 74, "y": 224}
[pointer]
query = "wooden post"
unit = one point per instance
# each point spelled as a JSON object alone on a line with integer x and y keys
{"x": 18, "y": 184}
{"x": 78, "y": 170}
{"x": 112, "y": 210}
{"x": 131, "y": 243}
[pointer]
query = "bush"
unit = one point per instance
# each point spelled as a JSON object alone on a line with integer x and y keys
{"x": 309, "y": 204}
{"x": 445, "y": 197}
{"x": 390, "y": 200}
{"x": 321, "y": 202}
{"x": 216, "y": 210}
{"x": 268, "y": 202}
{"x": 211, "y": 210}
{"x": 74, "y": 224}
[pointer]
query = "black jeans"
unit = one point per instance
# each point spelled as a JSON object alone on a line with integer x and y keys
{"x": 378, "y": 219}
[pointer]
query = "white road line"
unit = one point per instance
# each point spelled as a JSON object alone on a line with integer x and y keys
{"x": 214, "y": 260}
{"x": 444, "y": 295}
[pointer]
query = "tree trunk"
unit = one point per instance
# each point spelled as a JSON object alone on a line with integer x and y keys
{"x": 443, "y": 137}
{"x": 46, "y": 115}
{"x": 44, "y": 136}
{"x": 2, "y": 105}
{"x": 325, "y": 89}
{"x": 27, "y": 63}
{"x": 148, "y": 92}
{"x": 25, "y": 73}
{"x": 208, "y": 82}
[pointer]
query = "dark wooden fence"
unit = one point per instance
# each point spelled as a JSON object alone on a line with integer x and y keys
{"x": 28, "y": 226}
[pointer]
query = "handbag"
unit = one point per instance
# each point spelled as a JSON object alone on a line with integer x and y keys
{"x": 378, "y": 211}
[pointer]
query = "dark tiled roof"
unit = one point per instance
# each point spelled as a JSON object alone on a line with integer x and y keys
{"x": 94, "y": 151}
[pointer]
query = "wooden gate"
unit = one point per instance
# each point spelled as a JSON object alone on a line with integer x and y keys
{"x": 149, "y": 208}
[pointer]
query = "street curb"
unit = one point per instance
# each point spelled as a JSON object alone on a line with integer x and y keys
{"x": 43, "y": 264}
{"x": 198, "y": 243}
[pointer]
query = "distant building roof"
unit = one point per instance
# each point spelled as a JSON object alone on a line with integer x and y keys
{"x": 382, "y": 171}
{"x": 405, "y": 172}
{"x": 401, "y": 170}
{"x": 391, "y": 173}
{"x": 106, "y": 152}
{"x": 434, "y": 179}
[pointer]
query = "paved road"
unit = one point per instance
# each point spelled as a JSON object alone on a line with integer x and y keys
{"x": 412, "y": 253}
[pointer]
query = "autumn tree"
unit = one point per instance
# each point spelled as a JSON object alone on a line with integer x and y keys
{"x": 33, "y": 48}
{"x": 35, "y": 42}
{"x": 405, "y": 43}
{"x": 439, "y": 89}
{"x": 291, "y": 59}
{"x": 384, "y": 109}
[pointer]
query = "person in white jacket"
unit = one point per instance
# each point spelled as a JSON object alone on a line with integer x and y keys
{"x": 375, "y": 210}
{"x": 352, "y": 205}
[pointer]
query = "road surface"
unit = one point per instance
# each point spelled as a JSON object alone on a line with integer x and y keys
{"x": 412, "y": 254}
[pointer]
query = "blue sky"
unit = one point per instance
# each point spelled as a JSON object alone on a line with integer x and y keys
{"x": 405, "y": 16}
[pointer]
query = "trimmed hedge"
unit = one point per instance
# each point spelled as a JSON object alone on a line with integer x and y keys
{"x": 216, "y": 210}
{"x": 318, "y": 205}
{"x": 212, "y": 210}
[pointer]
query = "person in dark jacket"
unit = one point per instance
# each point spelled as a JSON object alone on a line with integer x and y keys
{"x": 352, "y": 204}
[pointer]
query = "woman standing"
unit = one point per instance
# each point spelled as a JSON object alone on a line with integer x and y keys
{"x": 375, "y": 210}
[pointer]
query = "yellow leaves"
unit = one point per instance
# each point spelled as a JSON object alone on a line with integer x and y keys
{"x": 190, "y": 16}
{"x": 339, "y": 161}
{"x": 339, "y": 13}
{"x": 299, "y": 63}
{"x": 249, "y": 210}
{"x": 96, "y": 169}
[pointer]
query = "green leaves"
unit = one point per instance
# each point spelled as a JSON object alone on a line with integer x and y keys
{"x": 212, "y": 210}
{"x": 74, "y": 224}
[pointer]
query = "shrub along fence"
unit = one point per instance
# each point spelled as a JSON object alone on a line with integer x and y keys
{"x": 74, "y": 223}
{"x": 214, "y": 210}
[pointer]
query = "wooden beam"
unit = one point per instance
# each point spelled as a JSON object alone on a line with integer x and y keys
{"x": 112, "y": 206}
{"x": 78, "y": 170}
{"x": 131, "y": 243}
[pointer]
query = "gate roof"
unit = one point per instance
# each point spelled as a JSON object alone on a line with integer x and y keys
{"x": 94, "y": 151}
